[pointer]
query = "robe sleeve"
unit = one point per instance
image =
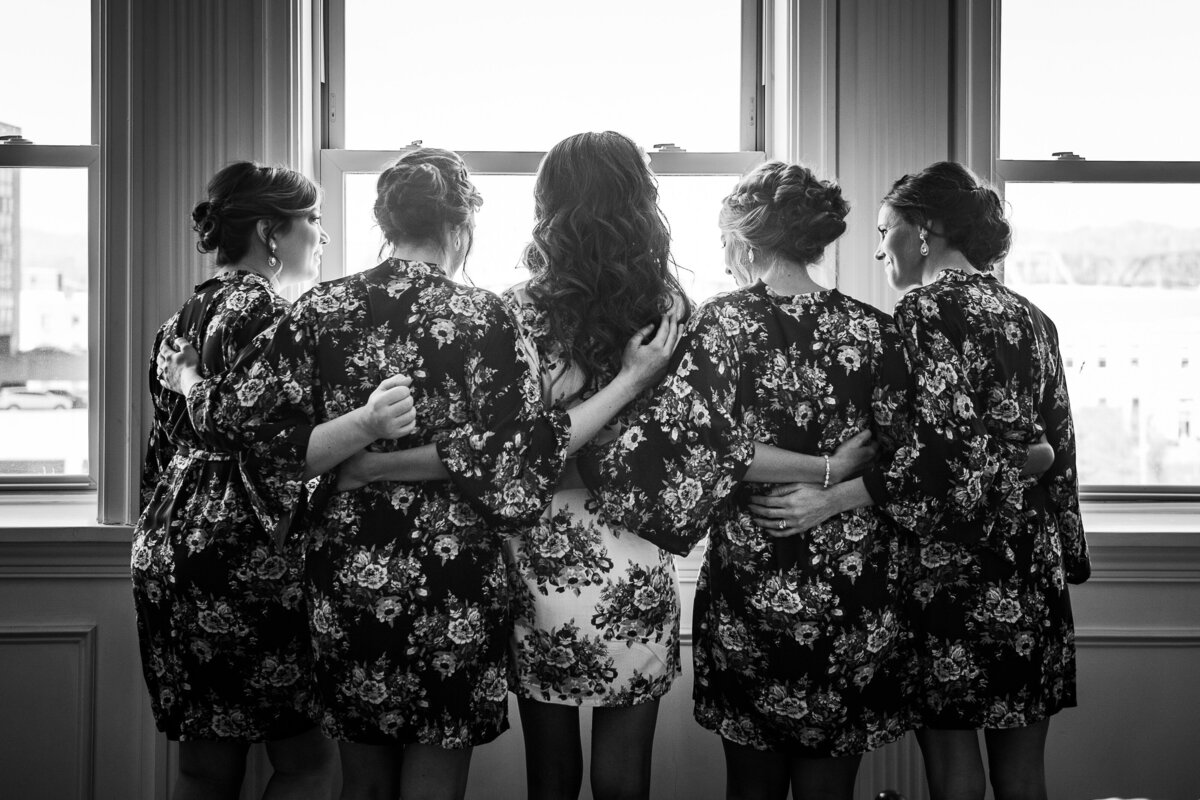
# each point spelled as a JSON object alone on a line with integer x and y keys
{"x": 941, "y": 476}
{"x": 1062, "y": 480}
{"x": 507, "y": 460}
{"x": 159, "y": 447}
{"x": 229, "y": 351}
{"x": 665, "y": 474}
{"x": 263, "y": 407}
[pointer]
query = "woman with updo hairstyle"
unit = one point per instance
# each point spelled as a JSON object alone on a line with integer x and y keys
{"x": 221, "y": 617}
{"x": 798, "y": 642}
{"x": 407, "y": 584}
{"x": 998, "y": 538}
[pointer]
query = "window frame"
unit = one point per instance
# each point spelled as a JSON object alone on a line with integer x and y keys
{"x": 980, "y": 33}
{"x": 74, "y": 156}
{"x": 335, "y": 162}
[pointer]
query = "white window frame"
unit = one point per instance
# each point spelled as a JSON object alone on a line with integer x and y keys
{"x": 78, "y": 156}
{"x": 336, "y": 162}
{"x": 978, "y": 104}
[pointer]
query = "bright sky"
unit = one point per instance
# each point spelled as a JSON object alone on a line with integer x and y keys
{"x": 1105, "y": 79}
{"x": 47, "y": 93}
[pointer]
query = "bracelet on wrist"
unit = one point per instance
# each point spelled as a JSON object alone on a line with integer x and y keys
{"x": 827, "y": 472}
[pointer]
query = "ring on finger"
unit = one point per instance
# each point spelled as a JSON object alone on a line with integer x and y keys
{"x": 782, "y": 524}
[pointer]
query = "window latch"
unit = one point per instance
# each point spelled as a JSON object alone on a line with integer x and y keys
{"x": 668, "y": 147}
{"x": 1067, "y": 155}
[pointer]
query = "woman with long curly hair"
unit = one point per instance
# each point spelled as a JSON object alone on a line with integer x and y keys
{"x": 597, "y": 624}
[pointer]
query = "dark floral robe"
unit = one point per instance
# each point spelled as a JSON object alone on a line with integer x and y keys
{"x": 220, "y": 607}
{"x": 989, "y": 596}
{"x": 406, "y": 581}
{"x": 596, "y": 607}
{"x": 799, "y": 642}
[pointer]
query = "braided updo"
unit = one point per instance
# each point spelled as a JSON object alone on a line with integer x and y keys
{"x": 969, "y": 211}
{"x": 239, "y": 196}
{"x": 785, "y": 210}
{"x": 426, "y": 191}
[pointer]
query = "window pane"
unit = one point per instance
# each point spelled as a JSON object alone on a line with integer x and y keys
{"x": 482, "y": 75}
{"x": 43, "y": 321}
{"x": 46, "y": 61}
{"x": 1105, "y": 79}
{"x": 690, "y": 204}
{"x": 1122, "y": 292}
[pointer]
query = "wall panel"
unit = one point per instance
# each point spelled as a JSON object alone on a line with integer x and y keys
{"x": 47, "y": 691}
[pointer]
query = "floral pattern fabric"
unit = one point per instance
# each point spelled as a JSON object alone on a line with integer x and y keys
{"x": 221, "y": 618}
{"x": 596, "y": 607}
{"x": 989, "y": 594}
{"x": 406, "y": 581}
{"x": 799, "y": 642}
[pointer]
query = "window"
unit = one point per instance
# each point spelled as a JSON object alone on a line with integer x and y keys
{"x": 48, "y": 250}
{"x": 502, "y": 82}
{"x": 1100, "y": 166}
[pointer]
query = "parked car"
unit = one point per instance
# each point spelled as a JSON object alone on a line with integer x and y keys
{"x": 16, "y": 397}
{"x": 76, "y": 401}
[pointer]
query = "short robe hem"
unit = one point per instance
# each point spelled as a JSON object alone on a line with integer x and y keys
{"x": 951, "y": 722}
{"x": 380, "y": 739}
{"x": 524, "y": 692}
{"x": 795, "y": 749}
{"x": 291, "y": 724}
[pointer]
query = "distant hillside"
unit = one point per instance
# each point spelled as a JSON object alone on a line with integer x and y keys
{"x": 1138, "y": 254}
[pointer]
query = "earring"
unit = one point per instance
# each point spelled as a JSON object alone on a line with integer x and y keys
{"x": 458, "y": 243}
{"x": 924, "y": 244}
{"x": 272, "y": 261}
{"x": 750, "y": 254}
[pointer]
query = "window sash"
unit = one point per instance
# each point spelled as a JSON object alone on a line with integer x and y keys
{"x": 751, "y": 130}
{"x": 981, "y": 126}
{"x": 27, "y": 156}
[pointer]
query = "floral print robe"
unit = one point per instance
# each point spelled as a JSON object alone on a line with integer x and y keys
{"x": 220, "y": 608}
{"x": 596, "y": 607}
{"x": 799, "y": 642}
{"x": 989, "y": 597}
{"x": 406, "y": 581}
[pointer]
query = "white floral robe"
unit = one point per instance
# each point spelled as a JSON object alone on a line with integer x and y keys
{"x": 596, "y": 607}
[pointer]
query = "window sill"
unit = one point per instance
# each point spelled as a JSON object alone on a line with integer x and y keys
{"x": 1113, "y": 522}
{"x": 55, "y": 517}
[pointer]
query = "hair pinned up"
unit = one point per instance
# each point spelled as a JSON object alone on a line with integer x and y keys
{"x": 240, "y": 195}
{"x": 968, "y": 211}
{"x": 425, "y": 191}
{"x": 785, "y": 209}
